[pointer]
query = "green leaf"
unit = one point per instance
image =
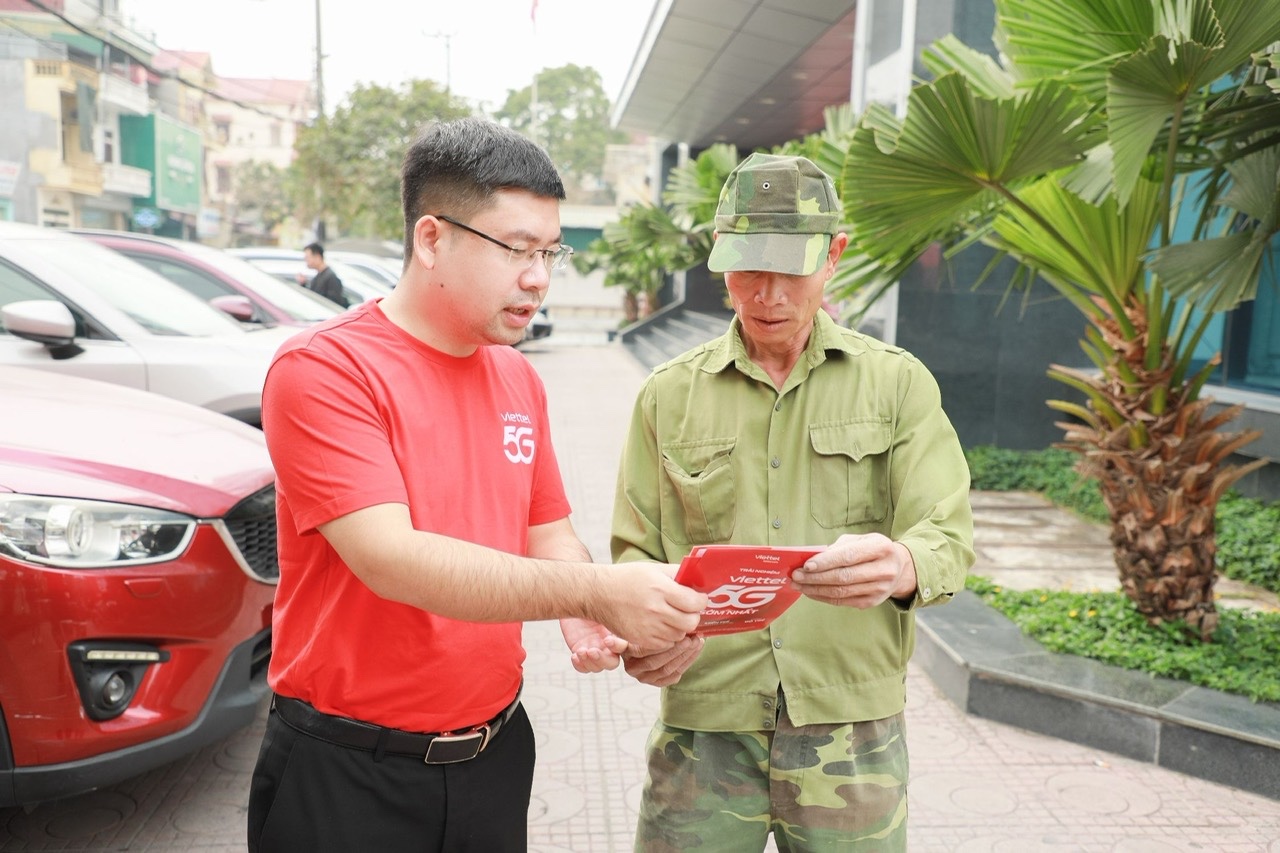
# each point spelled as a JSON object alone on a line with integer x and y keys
{"x": 693, "y": 187}
{"x": 1255, "y": 187}
{"x": 1092, "y": 178}
{"x": 1216, "y": 274}
{"x": 949, "y": 54}
{"x": 1247, "y": 26}
{"x": 1219, "y": 273}
{"x": 944, "y": 168}
{"x": 1143, "y": 92}
{"x": 1079, "y": 246}
{"x": 1075, "y": 42}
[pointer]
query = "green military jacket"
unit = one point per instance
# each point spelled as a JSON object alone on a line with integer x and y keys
{"x": 855, "y": 442}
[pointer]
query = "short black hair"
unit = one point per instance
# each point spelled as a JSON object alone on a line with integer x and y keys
{"x": 314, "y": 247}
{"x": 455, "y": 167}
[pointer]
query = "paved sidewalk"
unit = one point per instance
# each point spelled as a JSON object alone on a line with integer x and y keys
{"x": 977, "y": 786}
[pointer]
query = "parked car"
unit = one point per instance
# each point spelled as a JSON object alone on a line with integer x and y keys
{"x": 539, "y": 327}
{"x": 70, "y": 306}
{"x": 387, "y": 270}
{"x": 137, "y": 552}
{"x": 287, "y": 265}
{"x": 229, "y": 283}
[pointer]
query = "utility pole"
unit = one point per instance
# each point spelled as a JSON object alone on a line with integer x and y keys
{"x": 320, "y": 230}
{"x": 448, "y": 63}
{"x": 319, "y": 66}
{"x": 533, "y": 109}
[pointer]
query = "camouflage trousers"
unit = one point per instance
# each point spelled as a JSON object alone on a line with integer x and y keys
{"x": 819, "y": 787}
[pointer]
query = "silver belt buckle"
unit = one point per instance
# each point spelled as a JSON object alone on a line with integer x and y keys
{"x": 450, "y": 749}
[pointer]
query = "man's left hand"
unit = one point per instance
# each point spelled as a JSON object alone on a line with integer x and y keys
{"x": 592, "y": 647}
{"x": 858, "y": 570}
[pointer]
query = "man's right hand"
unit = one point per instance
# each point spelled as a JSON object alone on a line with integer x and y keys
{"x": 644, "y": 606}
{"x": 664, "y": 668}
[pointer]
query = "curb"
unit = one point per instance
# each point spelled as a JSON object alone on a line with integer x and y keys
{"x": 982, "y": 663}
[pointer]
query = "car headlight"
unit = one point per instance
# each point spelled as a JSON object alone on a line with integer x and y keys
{"x": 82, "y": 534}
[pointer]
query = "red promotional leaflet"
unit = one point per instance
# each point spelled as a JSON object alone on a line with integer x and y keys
{"x": 746, "y": 585}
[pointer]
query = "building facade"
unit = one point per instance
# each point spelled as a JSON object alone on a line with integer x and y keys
{"x": 100, "y": 128}
{"x": 761, "y": 72}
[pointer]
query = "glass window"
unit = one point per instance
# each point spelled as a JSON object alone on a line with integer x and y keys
{"x": 157, "y": 305}
{"x": 190, "y": 280}
{"x": 1262, "y": 362}
{"x": 17, "y": 286}
{"x": 288, "y": 297}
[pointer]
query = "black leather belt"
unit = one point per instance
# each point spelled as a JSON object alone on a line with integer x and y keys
{"x": 437, "y": 748}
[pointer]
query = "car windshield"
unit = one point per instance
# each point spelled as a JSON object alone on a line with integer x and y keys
{"x": 293, "y": 300}
{"x": 149, "y": 299}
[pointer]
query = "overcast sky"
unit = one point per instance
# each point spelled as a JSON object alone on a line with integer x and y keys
{"x": 492, "y": 45}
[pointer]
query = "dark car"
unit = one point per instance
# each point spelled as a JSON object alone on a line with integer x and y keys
{"x": 539, "y": 327}
{"x": 138, "y": 560}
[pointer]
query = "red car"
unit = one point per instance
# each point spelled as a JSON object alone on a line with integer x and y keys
{"x": 138, "y": 568}
{"x": 220, "y": 278}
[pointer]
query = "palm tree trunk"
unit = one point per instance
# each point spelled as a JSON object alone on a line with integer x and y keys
{"x": 630, "y": 306}
{"x": 1164, "y": 551}
{"x": 1161, "y": 462}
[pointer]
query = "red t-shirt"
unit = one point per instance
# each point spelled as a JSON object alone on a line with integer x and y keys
{"x": 357, "y": 412}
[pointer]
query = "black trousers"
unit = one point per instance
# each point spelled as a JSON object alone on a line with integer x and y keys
{"x": 310, "y": 795}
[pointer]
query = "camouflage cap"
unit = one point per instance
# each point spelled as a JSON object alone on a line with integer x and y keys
{"x": 776, "y": 214}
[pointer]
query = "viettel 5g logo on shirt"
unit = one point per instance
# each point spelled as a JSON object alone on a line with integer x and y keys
{"x": 517, "y": 437}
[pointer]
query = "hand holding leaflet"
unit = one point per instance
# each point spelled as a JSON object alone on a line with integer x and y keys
{"x": 747, "y": 586}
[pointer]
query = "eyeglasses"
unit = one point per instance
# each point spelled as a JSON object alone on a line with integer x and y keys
{"x": 552, "y": 259}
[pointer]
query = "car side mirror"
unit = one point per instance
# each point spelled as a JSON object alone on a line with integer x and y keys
{"x": 237, "y": 306}
{"x": 45, "y": 321}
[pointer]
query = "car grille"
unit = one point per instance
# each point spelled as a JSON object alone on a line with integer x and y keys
{"x": 252, "y": 524}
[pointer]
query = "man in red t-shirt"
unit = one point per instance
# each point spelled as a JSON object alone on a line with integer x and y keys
{"x": 422, "y": 518}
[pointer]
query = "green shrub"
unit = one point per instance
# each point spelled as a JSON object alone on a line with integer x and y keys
{"x": 1248, "y": 532}
{"x": 1105, "y": 626}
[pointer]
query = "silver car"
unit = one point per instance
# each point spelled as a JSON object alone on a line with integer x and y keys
{"x": 385, "y": 269}
{"x": 287, "y": 264}
{"x": 71, "y": 306}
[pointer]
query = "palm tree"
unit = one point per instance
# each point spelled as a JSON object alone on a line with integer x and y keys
{"x": 1107, "y": 128}
{"x": 648, "y": 241}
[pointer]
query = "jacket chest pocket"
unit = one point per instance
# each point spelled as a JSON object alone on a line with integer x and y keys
{"x": 700, "y": 476}
{"x": 849, "y": 473}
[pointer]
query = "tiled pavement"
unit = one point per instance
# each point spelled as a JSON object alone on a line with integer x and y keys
{"x": 977, "y": 786}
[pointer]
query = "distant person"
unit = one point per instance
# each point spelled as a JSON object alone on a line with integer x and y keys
{"x": 789, "y": 430}
{"x": 422, "y": 518}
{"x": 325, "y": 282}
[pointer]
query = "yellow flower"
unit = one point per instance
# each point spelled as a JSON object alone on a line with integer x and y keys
{"x": 1073, "y": 613}
{"x": 1044, "y": 598}
{"x": 1092, "y": 612}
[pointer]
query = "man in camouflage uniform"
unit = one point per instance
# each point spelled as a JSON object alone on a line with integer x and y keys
{"x": 789, "y": 430}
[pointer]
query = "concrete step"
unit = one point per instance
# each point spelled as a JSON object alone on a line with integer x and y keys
{"x": 715, "y": 324}
{"x": 645, "y": 351}
{"x": 672, "y": 333}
